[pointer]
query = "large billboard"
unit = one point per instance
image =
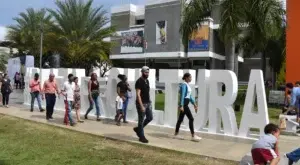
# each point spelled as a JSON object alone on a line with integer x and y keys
{"x": 199, "y": 39}
{"x": 132, "y": 42}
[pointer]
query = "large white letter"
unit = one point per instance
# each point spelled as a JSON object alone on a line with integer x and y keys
{"x": 220, "y": 107}
{"x": 203, "y": 95}
{"x": 251, "y": 119}
{"x": 171, "y": 78}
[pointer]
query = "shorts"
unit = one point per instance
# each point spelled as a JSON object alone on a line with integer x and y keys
{"x": 120, "y": 111}
{"x": 263, "y": 156}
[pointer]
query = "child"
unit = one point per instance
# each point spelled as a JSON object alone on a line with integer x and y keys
{"x": 265, "y": 150}
{"x": 119, "y": 108}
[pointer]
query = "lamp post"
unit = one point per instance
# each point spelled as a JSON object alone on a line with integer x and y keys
{"x": 41, "y": 44}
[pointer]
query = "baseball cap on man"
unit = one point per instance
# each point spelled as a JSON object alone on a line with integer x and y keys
{"x": 145, "y": 69}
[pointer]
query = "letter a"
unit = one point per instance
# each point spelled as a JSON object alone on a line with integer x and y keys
{"x": 250, "y": 119}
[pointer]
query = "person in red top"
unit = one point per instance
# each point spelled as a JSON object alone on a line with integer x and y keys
{"x": 50, "y": 88}
{"x": 35, "y": 92}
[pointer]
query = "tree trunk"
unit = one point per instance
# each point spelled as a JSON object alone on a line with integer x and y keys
{"x": 230, "y": 55}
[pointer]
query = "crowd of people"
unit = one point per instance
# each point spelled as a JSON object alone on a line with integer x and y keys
{"x": 71, "y": 94}
{"x": 265, "y": 150}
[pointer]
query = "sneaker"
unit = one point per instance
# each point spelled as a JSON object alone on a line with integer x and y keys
{"x": 42, "y": 110}
{"x": 73, "y": 124}
{"x": 6, "y": 106}
{"x": 290, "y": 162}
{"x": 143, "y": 140}
{"x": 196, "y": 138}
{"x": 85, "y": 117}
{"x": 51, "y": 118}
{"x": 80, "y": 121}
{"x": 98, "y": 119}
{"x": 135, "y": 129}
{"x": 31, "y": 110}
{"x": 178, "y": 137}
{"x": 125, "y": 122}
{"x": 118, "y": 124}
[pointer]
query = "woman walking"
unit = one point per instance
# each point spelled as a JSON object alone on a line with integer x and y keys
{"x": 6, "y": 89}
{"x": 186, "y": 98}
{"x": 93, "y": 88}
{"x": 77, "y": 100}
{"x": 123, "y": 87}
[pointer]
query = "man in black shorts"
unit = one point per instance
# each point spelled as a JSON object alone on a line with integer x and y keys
{"x": 143, "y": 104}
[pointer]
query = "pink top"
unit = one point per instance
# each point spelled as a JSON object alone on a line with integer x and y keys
{"x": 50, "y": 87}
{"x": 35, "y": 85}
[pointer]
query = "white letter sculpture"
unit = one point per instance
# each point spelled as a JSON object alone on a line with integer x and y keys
{"x": 171, "y": 78}
{"x": 221, "y": 106}
{"x": 203, "y": 99}
{"x": 260, "y": 118}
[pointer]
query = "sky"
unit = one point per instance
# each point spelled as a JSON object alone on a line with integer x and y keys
{"x": 11, "y": 8}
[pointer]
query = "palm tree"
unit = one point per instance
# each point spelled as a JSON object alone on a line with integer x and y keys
{"x": 197, "y": 12}
{"x": 230, "y": 28}
{"x": 194, "y": 14}
{"x": 78, "y": 33}
{"x": 265, "y": 20}
{"x": 26, "y": 33}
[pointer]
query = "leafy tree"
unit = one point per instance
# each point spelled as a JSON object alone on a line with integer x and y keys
{"x": 194, "y": 14}
{"x": 265, "y": 19}
{"x": 25, "y": 34}
{"x": 4, "y": 56}
{"x": 78, "y": 33}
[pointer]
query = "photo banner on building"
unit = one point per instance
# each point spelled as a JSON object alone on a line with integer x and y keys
{"x": 132, "y": 42}
{"x": 199, "y": 39}
{"x": 161, "y": 32}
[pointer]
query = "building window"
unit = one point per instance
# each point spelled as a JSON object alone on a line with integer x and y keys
{"x": 140, "y": 22}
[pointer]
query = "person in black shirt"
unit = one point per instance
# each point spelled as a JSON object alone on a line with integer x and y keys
{"x": 143, "y": 104}
{"x": 123, "y": 87}
{"x": 6, "y": 89}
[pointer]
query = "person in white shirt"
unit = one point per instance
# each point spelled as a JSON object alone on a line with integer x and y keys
{"x": 68, "y": 93}
{"x": 119, "y": 107}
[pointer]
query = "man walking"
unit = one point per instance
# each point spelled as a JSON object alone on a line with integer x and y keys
{"x": 35, "y": 87}
{"x": 50, "y": 87}
{"x": 143, "y": 104}
{"x": 68, "y": 92}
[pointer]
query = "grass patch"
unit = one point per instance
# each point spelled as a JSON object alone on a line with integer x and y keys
{"x": 28, "y": 143}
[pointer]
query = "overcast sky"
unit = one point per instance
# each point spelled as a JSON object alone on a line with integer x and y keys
{"x": 11, "y": 8}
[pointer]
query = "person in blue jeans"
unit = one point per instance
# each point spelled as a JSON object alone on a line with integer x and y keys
{"x": 143, "y": 104}
{"x": 123, "y": 87}
{"x": 293, "y": 156}
{"x": 35, "y": 92}
{"x": 93, "y": 88}
{"x": 68, "y": 93}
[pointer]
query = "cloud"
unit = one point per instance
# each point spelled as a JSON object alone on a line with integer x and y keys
{"x": 3, "y": 32}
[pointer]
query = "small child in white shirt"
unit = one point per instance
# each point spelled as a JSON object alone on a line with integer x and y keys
{"x": 119, "y": 108}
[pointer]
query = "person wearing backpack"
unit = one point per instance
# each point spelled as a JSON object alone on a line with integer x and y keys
{"x": 186, "y": 98}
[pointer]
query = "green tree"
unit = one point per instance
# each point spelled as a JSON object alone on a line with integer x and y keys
{"x": 4, "y": 56}
{"x": 194, "y": 14}
{"x": 265, "y": 19}
{"x": 78, "y": 33}
{"x": 25, "y": 34}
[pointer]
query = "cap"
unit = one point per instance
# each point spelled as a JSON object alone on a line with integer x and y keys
{"x": 145, "y": 69}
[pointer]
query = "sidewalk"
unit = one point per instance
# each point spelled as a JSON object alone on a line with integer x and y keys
{"x": 158, "y": 137}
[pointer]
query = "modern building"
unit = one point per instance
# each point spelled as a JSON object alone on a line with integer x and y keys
{"x": 150, "y": 35}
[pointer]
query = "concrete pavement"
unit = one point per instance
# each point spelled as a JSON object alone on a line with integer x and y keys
{"x": 159, "y": 137}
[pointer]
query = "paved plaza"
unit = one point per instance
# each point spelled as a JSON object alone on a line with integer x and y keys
{"x": 229, "y": 149}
